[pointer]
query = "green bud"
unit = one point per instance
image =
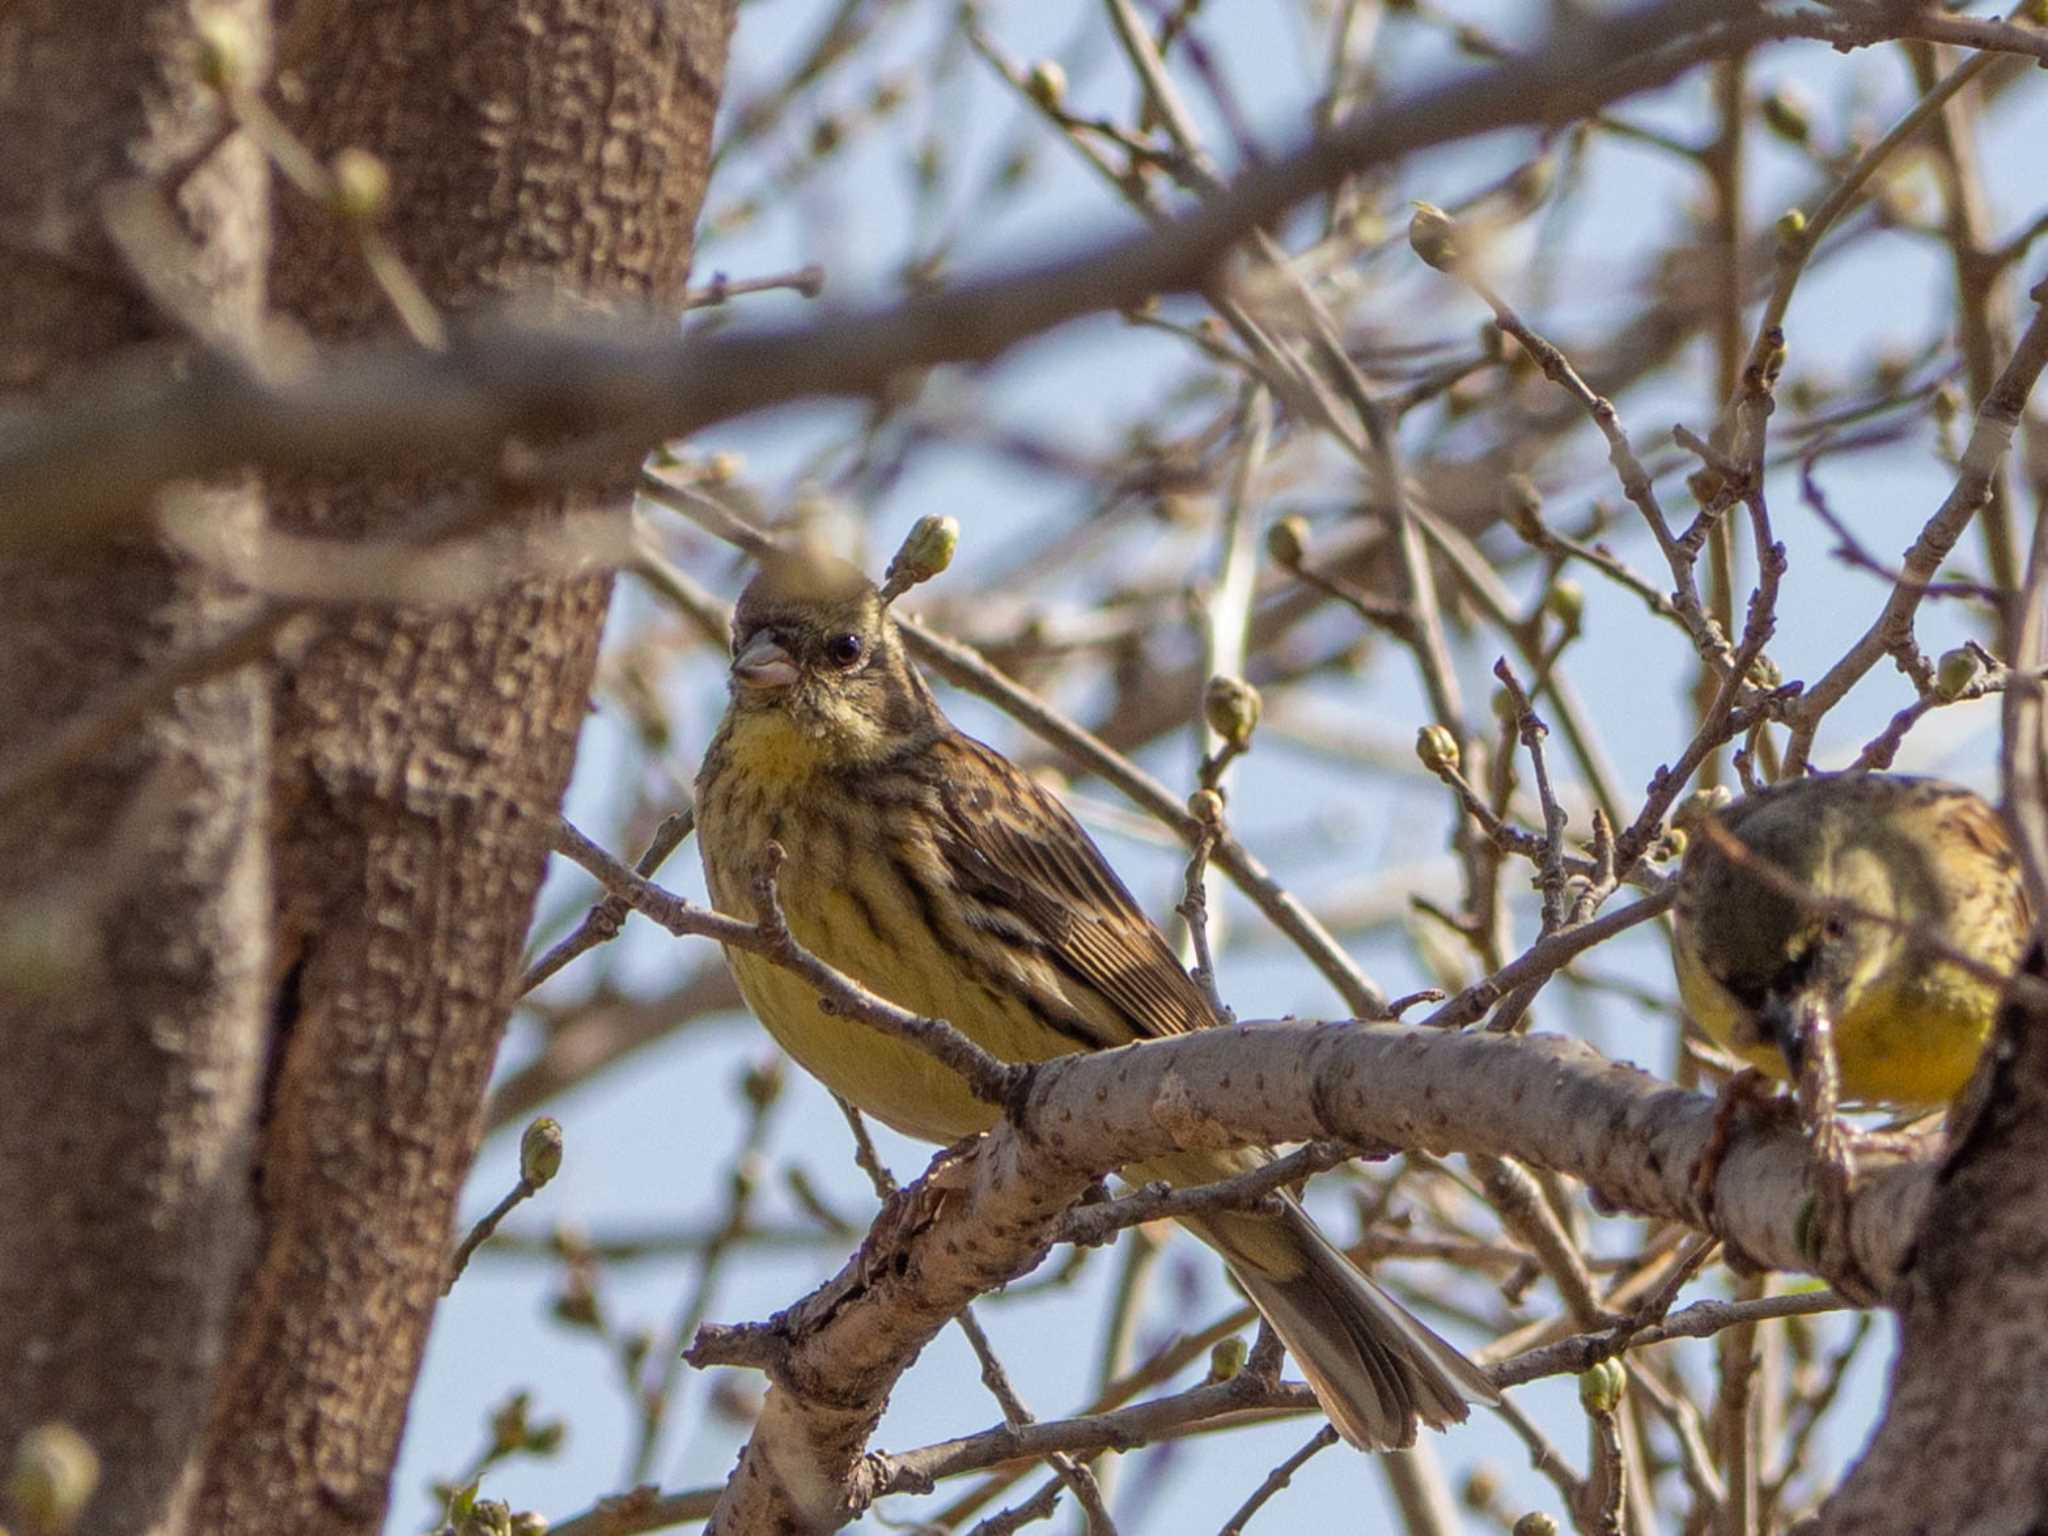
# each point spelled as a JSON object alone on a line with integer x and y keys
{"x": 1766, "y": 673}
{"x": 1206, "y": 806}
{"x": 1433, "y": 235}
{"x": 53, "y": 1478}
{"x": 925, "y": 551}
{"x": 1047, "y": 84}
{"x": 540, "y": 1151}
{"x": 721, "y": 469}
{"x": 487, "y": 1517}
{"x": 1231, "y": 706}
{"x": 1228, "y": 1358}
{"x": 1438, "y": 749}
{"x": 1788, "y": 112}
{"x": 1535, "y": 1523}
{"x": 545, "y": 1438}
{"x": 1287, "y": 542}
{"x": 529, "y": 1523}
{"x": 1600, "y": 1388}
{"x": 1947, "y": 403}
{"x": 1791, "y": 228}
{"x": 1482, "y": 1488}
{"x": 362, "y": 186}
{"x": 1566, "y": 601}
{"x": 1521, "y": 507}
{"x": 227, "y": 49}
{"x": 1956, "y": 673}
{"x": 1672, "y": 845}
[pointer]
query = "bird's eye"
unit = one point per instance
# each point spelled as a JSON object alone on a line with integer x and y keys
{"x": 844, "y": 650}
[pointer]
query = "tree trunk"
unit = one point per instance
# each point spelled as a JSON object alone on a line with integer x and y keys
{"x": 549, "y": 147}
{"x": 134, "y": 896}
{"x": 1960, "y": 1448}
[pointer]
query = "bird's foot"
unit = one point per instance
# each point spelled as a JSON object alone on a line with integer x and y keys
{"x": 1828, "y": 1239}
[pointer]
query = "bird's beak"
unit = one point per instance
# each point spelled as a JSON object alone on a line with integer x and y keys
{"x": 763, "y": 665}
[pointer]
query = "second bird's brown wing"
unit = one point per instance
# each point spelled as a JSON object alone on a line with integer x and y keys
{"x": 1016, "y": 850}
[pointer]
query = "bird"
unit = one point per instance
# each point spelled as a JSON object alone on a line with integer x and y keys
{"x": 1819, "y": 925}
{"x": 1886, "y": 862}
{"x": 926, "y": 866}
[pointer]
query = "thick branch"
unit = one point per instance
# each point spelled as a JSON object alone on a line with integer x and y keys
{"x": 90, "y": 465}
{"x": 986, "y": 1213}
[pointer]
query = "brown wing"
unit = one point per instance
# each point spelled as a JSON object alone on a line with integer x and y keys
{"x": 1966, "y": 821}
{"x": 1017, "y": 851}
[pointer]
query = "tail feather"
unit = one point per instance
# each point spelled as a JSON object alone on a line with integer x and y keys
{"x": 1374, "y": 1367}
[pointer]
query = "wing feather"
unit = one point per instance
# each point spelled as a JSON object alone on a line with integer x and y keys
{"x": 1014, "y": 848}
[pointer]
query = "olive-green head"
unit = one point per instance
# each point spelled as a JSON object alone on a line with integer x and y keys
{"x": 813, "y": 642}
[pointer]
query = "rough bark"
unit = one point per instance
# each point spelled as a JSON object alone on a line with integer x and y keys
{"x": 133, "y": 898}
{"x": 1960, "y": 1446}
{"x": 555, "y": 148}
{"x": 984, "y": 1215}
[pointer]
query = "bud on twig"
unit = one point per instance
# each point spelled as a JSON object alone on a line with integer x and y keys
{"x": 1231, "y": 705}
{"x": 540, "y": 1151}
{"x": 1600, "y": 1388}
{"x": 1521, "y": 507}
{"x": 227, "y": 50}
{"x": 54, "y": 1476}
{"x": 1957, "y": 673}
{"x": 1287, "y": 542}
{"x": 1566, "y": 601}
{"x": 362, "y": 186}
{"x": 925, "y": 551}
{"x": 1047, "y": 84}
{"x": 1791, "y": 228}
{"x": 1227, "y": 1358}
{"x": 1433, "y": 235}
{"x": 1438, "y": 749}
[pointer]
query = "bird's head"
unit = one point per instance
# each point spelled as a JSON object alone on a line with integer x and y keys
{"x": 1786, "y": 958}
{"x": 816, "y": 659}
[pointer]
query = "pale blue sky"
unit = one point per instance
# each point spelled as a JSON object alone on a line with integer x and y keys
{"x": 647, "y": 1143}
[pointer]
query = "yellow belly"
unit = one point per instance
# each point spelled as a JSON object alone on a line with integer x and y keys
{"x": 1904, "y": 1046}
{"x": 884, "y": 943}
{"x": 897, "y": 1083}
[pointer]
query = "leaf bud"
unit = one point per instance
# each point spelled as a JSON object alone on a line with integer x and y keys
{"x": 1433, "y": 235}
{"x": 1231, "y": 706}
{"x": 540, "y": 1151}
{"x": 1956, "y": 673}
{"x": 1438, "y": 749}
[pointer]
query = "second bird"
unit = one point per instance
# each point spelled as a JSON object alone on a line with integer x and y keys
{"x": 927, "y": 867}
{"x": 1888, "y": 862}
